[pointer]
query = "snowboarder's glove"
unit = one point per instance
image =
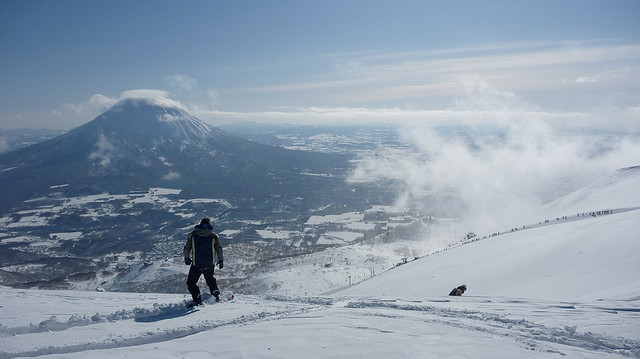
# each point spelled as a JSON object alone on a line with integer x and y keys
{"x": 220, "y": 264}
{"x": 187, "y": 261}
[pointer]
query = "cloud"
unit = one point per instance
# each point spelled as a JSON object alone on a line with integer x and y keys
{"x": 96, "y": 103}
{"x": 172, "y": 175}
{"x": 430, "y": 79}
{"x": 75, "y": 114}
{"x": 183, "y": 82}
{"x": 490, "y": 180}
{"x": 605, "y": 118}
{"x": 159, "y": 97}
{"x": 103, "y": 155}
{"x": 501, "y": 164}
{"x": 571, "y": 84}
{"x": 586, "y": 79}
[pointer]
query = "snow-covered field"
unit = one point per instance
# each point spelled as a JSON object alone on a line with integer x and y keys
{"x": 566, "y": 289}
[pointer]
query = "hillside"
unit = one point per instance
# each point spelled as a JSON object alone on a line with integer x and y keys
{"x": 617, "y": 191}
{"x": 139, "y": 144}
{"x": 566, "y": 289}
{"x": 564, "y": 255}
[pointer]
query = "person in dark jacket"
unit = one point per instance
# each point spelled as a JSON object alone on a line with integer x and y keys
{"x": 201, "y": 253}
{"x": 458, "y": 291}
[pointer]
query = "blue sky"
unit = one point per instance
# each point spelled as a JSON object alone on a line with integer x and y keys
{"x": 573, "y": 62}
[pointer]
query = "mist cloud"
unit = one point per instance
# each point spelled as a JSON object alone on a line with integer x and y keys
{"x": 158, "y": 97}
{"x": 103, "y": 154}
{"x": 497, "y": 166}
{"x": 183, "y": 82}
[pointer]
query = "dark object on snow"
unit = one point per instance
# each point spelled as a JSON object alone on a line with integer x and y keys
{"x": 458, "y": 291}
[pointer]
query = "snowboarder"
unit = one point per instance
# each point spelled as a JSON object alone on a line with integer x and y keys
{"x": 200, "y": 253}
{"x": 458, "y": 291}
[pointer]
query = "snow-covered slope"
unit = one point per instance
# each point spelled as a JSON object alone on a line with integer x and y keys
{"x": 577, "y": 260}
{"x": 65, "y": 324}
{"x": 573, "y": 257}
{"x": 566, "y": 289}
{"x": 617, "y": 191}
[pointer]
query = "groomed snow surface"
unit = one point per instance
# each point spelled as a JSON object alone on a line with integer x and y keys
{"x": 566, "y": 289}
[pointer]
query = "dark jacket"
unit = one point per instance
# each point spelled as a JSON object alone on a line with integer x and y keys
{"x": 458, "y": 291}
{"x": 203, "y": 247}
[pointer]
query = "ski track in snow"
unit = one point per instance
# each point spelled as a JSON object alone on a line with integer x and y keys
{"x": 524, "y": 331}
{"x": 163, "y": 322}
{"x": 144, "y": 334}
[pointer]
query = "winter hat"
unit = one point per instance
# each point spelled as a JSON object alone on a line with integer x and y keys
{"x": 463, "y": 287}
{"x": 205, "y": 221}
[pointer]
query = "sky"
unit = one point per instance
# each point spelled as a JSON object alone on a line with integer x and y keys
{"x": 573, "y": 63}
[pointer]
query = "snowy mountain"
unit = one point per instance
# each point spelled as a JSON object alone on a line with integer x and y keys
{"x": 123, "y": 190}
{"x": 565, "y": 288}
{"x": 138, "y": 144}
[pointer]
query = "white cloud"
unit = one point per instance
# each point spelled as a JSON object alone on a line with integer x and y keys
{"x": 479, "y": 101}
{"x": 95, "y": 104}
{"x": 608, "y": 118}
{"x": 104, "y": 152}
{"x": 516, "y": 158}
{"x": 74, "y": 114}
{"x": 496, "y": 179}
{"x": 183, "y": 82}
{"x": 159, "y": 97}
{"x": 100, "y": 101}
{"x": 568, "y": 82}
{"x": 172, "y": 175}
{"x": 585, "y": 79}
{"x": 430, "y": 79}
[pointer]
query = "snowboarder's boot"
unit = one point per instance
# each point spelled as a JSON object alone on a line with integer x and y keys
{"x": 216, "y": 293}
{"x": 197, "y": 300}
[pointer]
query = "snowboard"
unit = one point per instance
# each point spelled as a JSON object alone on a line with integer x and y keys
{"x": 225, "y": 297}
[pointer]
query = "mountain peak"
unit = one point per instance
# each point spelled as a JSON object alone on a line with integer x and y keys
{"x": 150, "y": 118}
{"x": 148, "y": 142}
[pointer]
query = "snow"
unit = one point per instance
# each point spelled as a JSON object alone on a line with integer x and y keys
{"x": 579, "y": 260}
{"x": 273, "y": 233}
{"x": 569, "y": 288}
{"x": 103, "y": 205}
{"x": 29, "y": 221}
{"x": 618, "y": 191}
{"x": 66, "y": 236}
{"x": 335, "y": 218}
{"x": 338, "y": 237}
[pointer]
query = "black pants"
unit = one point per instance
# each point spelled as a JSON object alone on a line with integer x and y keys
{"x": 194, "y": 276}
